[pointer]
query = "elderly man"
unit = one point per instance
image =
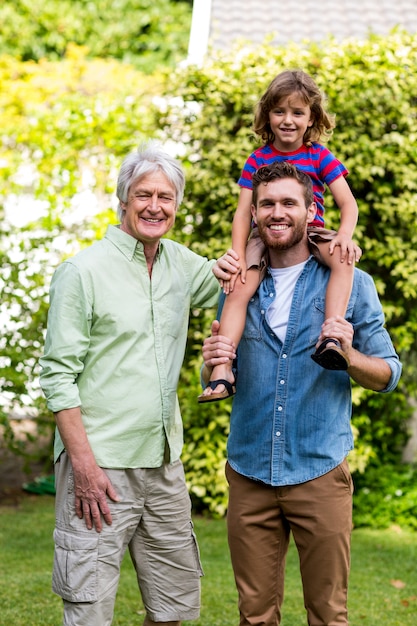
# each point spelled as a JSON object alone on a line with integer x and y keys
{"x": 290, "y": 423}
{"x": 115, "y": 343}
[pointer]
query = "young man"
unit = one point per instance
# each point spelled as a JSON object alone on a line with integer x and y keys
{"x": 290, "y": 424}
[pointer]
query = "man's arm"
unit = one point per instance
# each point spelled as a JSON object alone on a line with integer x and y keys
{"x": 91, "y": 484}
{"x": 368, "y": 371}
{"x": 66, "y": 344}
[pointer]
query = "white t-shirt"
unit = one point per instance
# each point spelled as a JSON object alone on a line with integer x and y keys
{"x": 279, "y": 310}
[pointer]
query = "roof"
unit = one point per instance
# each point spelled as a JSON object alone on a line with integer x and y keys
{"x": 221, "y": 23}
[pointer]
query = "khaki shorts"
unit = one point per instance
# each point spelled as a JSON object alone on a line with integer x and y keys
{"x": 152, "y": 520}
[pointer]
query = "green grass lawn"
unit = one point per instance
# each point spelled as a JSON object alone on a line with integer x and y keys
{"x": 383, "y": 584}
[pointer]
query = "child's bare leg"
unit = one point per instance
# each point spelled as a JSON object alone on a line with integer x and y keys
{"x": 232, "y": 324}
{"x": 329, "y": 353}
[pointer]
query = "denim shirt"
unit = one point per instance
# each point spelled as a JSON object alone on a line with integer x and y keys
{"x": 290, "y": 420}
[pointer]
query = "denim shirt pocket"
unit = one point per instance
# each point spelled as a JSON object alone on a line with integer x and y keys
{"x": 318, "y": 316}
{"x": 254, "y": 319}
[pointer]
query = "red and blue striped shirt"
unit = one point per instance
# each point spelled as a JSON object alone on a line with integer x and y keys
{"x": 316, "y": 161}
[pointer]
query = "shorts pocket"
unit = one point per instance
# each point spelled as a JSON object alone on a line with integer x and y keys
{"x": 196, "y": 551}
{"x": 75, "y": 566}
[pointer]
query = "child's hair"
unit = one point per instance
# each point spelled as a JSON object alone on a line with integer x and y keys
{"x": 285, "y": 84}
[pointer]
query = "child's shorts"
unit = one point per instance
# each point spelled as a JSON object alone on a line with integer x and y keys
{"x": 257, "y": 257}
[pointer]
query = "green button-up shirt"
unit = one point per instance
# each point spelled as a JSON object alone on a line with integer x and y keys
{"x": 115, "y": 345}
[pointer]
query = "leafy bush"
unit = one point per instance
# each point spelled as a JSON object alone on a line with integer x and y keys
{"x": 385, "y": 496}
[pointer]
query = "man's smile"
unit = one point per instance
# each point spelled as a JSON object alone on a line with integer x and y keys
{"x": 278, "y": 226}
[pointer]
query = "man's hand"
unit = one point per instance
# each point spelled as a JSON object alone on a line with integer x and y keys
{"x": 368, "y": 371}
{"x": 338, "y": 328}
{"x": 226, "y": 270}
{"x": 217, "y": 350}
{"x": 92, "y": 490}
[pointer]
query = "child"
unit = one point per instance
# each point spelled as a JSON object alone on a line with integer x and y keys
{"x": 291, "y": 119}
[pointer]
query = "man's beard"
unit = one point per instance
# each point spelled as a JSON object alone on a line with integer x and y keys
{"x": 297, "y": 234}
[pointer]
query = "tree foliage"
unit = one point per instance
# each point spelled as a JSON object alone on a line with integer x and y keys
{"x": 146, "y": 33}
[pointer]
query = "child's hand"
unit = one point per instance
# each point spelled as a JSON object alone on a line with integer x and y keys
{"x": 241, "y": 274}
{"x": 349, "y": 250}
{"x": 357, "y": 252}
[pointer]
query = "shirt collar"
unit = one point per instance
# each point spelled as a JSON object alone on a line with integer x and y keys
{"x": 125, "y": 242}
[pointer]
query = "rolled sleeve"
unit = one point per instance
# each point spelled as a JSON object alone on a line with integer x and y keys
{"x": 396, "y": 369}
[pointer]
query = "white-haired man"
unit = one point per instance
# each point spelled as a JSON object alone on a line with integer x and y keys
{"x": 115, "y": 342}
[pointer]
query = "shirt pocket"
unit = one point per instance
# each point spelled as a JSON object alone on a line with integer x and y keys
{"x": 317, "y": 317}
{"x": 174, "y": 316}
{"x": 254, "y": 319}
{"x": 75, "y": 566}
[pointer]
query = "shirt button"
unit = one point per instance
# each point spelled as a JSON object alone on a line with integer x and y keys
{"x": 262, "y": 312}
{"x": 284, "y": 356}
{"x": 278, "y": 434}
{"x": 271, "y": 295}
{"x": 282, "y": 382}
{"x": 280, "y": 408}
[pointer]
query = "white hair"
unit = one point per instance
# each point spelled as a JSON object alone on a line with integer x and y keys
{"x": 149, "y": 158}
